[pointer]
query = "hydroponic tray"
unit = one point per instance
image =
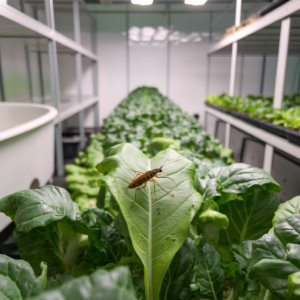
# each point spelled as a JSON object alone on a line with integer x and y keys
{"x": 275, "y": 129}
{"x": 245, "y": 117}
{"x": 293, "y": 136}
{"x": 219, "y": 108}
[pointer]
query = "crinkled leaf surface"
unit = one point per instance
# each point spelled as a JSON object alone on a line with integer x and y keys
{"x": 249, "y": 219}
{"x": 294, "y": 286}
{"x": 209, "y": 274}
{"x": 18, "y": 281}
{"x": 242, "y": 253}
{"x": 286, "y": 209}
{"x": 176, "y": 283}
{"x": 35, "y": 208}
{"x": 34, "y": 249}
{"x": 42, "y": 216}
{"x": 278, "y": 256}
{"x": 157, "y": 225}
{"x": 235, "y": 179}
{"x": 161, "y": 143}
{"x": 288, "y": 230}
{"x": 109, "y": 285}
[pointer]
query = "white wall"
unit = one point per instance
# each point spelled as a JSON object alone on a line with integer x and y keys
{"x": 147, "y": 65}
{"x": 188, "y": 64}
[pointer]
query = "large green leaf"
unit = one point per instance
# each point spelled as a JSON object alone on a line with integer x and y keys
{"x": 287, "y": 209}
{"x": 161, "y": 143}
{"x": 18, "y": 281}
{"x": 209, "y": 275}
{"x": 102, "y": 284}
{"x": 249, "y": 219}
{"x": 34, "y": 249}
{"x": 278, "y": 256}
{"x": 294, "y": 286}
{"x": 176, "y": 283}
{"x": 157, "y": 225}
{"x": 242, "y": 253}
{"x": 235, "y": 179}
{"x": 35, "y": 208}
{"x": 42, "y": 216}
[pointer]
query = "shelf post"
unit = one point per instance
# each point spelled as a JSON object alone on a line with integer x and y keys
{"x": 263, "y": 72}
{"x": 2, "y": 92}
{"x": 76, "y": 21}
{"x": 268, "y": 158}
{"x": 54, "y": 82}
{"x": 95, "y": 78}
{"x": 27, "y": 59}
{"x": 281, "y": 62}
{"x": 231, "y": 86}
{"x": 28, "y": 69}
{"x": 238, "y": 11}
{"x": 127, "y": 52}
{"x": 227, "y": 135}
{"x": 41, "y": 75}
{"x": 95, "y": 86}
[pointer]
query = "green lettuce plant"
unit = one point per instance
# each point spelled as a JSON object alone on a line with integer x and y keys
{"x": 165, "y": 217}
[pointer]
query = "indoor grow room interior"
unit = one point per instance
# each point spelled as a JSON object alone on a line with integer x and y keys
{"x": 149, "y": 149}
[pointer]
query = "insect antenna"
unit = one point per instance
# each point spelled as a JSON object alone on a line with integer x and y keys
{"x": 172, "y": 162}
{"x": 165, "y": 161}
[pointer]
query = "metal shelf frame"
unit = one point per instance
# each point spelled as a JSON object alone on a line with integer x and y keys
{"x": 40, "y": 30}
{"x": 282, "y": 14}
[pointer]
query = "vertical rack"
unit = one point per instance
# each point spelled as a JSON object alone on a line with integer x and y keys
{"x": 283, "y": 15}
{"x": 31, "y": 27}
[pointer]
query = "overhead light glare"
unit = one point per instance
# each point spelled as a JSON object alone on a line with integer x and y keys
{"x": 195, "y": 2}
{"x": 142, "y": 2}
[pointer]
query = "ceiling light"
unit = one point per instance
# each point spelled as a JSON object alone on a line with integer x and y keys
{"x": 147, "y": 33}
{"x": 189, "y": 37}
{"x": 161, "y": 34}
{"x": 142, "y": 2}
{"x": 195, "y": 2}
{"x": 197, "y": 39}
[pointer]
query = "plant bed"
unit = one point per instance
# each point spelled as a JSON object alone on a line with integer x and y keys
{"x": 293, "y": 135}
{"x": 245, "y": 117}
{"x": 71, "y": 145}
{"x": 222, "y": 109}
{"x": 75, "y": 131}
{"x": 275, "y": 129}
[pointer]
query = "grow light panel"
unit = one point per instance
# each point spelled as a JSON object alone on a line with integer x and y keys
{"x": 195, "y": 2}
{"x": 142, "y": 2}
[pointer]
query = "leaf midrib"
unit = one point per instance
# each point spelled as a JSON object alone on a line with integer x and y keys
{"x": 149, "y": 262}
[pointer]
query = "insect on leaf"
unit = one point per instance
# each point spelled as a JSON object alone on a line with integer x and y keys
{"x": 157, "y": 225}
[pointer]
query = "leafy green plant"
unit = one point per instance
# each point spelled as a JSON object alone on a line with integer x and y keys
{"x": 102, "y": 284}
{"x": 18, "y": 281}
{"x": 211, "y": 234}
{"x": 261, "y": 107}
{"x": 166, "y": 217}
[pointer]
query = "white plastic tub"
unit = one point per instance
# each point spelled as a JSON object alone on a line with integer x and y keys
{"x": 26, "y": 148}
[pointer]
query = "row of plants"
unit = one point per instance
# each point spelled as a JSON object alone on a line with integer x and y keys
{"x": 261, "y": 107}
{"x": 215, "y": 230}
{"x": 151, "y": 122}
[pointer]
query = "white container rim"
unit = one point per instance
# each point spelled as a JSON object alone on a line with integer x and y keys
{"x": 30, "y": 125}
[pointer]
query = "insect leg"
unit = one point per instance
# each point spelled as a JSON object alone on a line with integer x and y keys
{"x": 137, "y": 171}
{"x": 165, "y": 177}
{"x": 138, "y": 175}
{"x": 139, "y": 188}
{"x": 154, "y": 187}
{"x": 163, "y": 188}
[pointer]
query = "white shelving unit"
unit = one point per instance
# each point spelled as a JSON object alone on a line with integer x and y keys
{"x": 278, "y": 32}
{"x": 17, "y": 25}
